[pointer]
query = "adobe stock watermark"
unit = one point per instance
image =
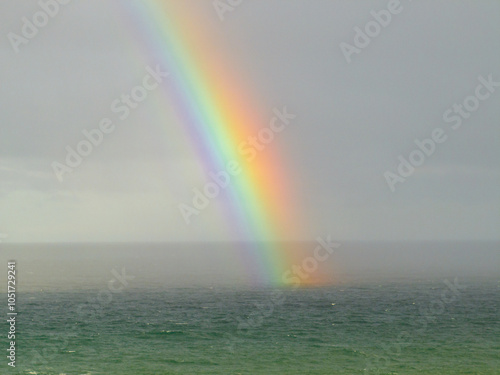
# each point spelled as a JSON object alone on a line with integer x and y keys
{"x": 372, "y": 29}
{"x": 248, "y": 150}
{"x": 94, "y": 308}
{"x": 223, "y": 6}
{"x": 88, "y": 312}
{"x": 455, "y": 115}
{"x": 31, "y": 26}
{"x": 122, "y": 106}
{"x": 295, "y": 276}
{"x": 300, "y": 273}
{"x": 435, "y": 308}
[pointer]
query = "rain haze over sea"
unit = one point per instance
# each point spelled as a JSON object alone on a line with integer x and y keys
{"x": 129, "y": 309}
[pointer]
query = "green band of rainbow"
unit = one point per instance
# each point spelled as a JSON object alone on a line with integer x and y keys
{"x": 213, "y": 104}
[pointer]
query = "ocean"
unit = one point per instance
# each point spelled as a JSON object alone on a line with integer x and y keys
{"x": 129, "y": 310}
{"x": 423, "y": 327}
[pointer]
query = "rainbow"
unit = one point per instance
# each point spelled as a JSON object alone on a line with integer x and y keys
{"x": 219, "y": 112}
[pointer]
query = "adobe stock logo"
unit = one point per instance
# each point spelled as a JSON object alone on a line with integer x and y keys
{"x": 299, "y": 273}
{"x": 223, "y": 6}
{"x": 123, "y": 107}
{"x": 372, "y": 29}
{"x": 248, "y": 150}
{"x": 454, "y": 115}
{"x": 31, "y": 27}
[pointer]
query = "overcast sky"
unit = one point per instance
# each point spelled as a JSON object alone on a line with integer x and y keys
{"x": 353, "y": 121}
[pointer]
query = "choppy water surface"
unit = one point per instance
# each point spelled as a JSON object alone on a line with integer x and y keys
{"x": 422, "y": 327}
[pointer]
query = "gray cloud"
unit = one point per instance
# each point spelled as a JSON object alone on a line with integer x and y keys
{"x": 353, "y": 120}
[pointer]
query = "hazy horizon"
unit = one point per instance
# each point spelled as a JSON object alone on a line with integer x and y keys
{"x": 75, "y": 266}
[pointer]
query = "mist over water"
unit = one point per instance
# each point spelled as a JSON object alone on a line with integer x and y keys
{"x": 404, "y": 326}
{"x": 409, "y": 308}
{"x": 167, "y": 265}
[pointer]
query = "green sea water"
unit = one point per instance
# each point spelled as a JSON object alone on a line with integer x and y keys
{"x": 444, "y": 326}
